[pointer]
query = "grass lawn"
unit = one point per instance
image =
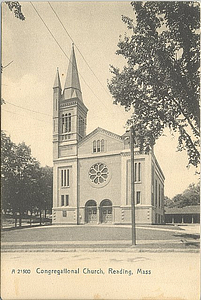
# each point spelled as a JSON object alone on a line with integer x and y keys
{"x": 93, "y": 233}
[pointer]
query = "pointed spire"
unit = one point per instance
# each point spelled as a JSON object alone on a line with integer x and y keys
{"x": 72, "y": 85}
{"x": 57, "y": 82}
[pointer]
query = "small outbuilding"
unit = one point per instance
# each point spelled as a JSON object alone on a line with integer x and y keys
{"x": 187, "y": 214}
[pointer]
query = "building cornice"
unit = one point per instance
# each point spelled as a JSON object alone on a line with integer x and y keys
{"x": 101, "y": 130}
{"x": 73, "y": 102}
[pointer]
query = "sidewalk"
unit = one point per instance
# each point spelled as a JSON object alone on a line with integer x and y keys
{"x": 119, "y": 245}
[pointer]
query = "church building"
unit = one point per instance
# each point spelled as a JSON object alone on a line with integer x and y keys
{"x": 91, "y": 173}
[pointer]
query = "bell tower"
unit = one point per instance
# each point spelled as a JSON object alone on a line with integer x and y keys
{"x": 69, "y": 113}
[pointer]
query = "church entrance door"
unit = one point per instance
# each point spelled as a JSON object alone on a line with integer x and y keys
{"x": 91, "y": 212}
{"x": 106, "y": 211}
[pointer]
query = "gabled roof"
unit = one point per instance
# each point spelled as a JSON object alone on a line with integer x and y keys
{"x": 101, "y": 130}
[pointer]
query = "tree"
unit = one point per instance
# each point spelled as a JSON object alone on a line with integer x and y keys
{"x": 47, "y": 187}
{"x": 8, "y": 149}
{"x": 191, "y": 196}
{"x": 168, "y": 202}
{"x": 16, "y": 7}
{"x": 43, "y": 190}
{"x": 161, "y": 78}
{"x": 25, "y": 184}
{"x": 26, "y": 171}
{"x": 179, "y": 201}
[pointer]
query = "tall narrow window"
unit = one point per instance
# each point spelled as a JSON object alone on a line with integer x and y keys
{"x": 94, "y": 146}
{"x": 159, "y": 195}
{"x": 81, "y": 126}
{"x": 68, "y": 177}
{"x": 69, "y": 123}
{"x": 67, "y": 200}
{"x": 156, "y": 198}
{"x": 66, "y": 122}
{"x": 56, "y": 104}
{"x": 135, "y": 172}
{"x": 102, "y": 145}
{"x": 138, "y": 198}
{"x": 65, "y": 177}
{"x": 62, "y": 178}
{"x": 139, "y": 172}
{"x": 62, "y": 200}
{"x": 63, "y": 124}
{"x": 98, "y": 146}
{"x": 64, "y": 213}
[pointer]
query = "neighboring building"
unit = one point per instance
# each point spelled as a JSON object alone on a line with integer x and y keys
{"x": 187, "y": 214}
{"x": 91, "y": 182}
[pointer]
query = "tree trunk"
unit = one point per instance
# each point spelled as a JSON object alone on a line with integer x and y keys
{"x": 30, "y": 216}
{"x": 20, "y": 220}
{"x": 15, "y": 216}
{"x": 20, "y": 217}
{"x": 40, "y": 217}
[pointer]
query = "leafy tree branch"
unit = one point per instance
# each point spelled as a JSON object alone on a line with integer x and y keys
{"x": 160, "y": 80}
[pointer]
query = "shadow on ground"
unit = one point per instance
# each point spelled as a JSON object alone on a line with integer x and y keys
{"x": 189, "y": 239}
{"x": 188, "y": 236}
{"x": 25, "y": 227}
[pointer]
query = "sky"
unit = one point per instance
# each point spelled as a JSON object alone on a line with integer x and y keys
{"x": 95, "y": 28}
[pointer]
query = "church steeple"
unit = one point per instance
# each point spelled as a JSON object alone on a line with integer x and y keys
{"x": 57, "y": 82}
{"x": 72, "y": 87}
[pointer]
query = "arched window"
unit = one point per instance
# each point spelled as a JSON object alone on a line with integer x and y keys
{"x": 102, "y": 145}
{"x": 69, "y": 123}
{"x": 98, "y": 146}
{"x": 63, "y": 124}
{"x": 66, "y": 123}
{"x": 81, "y": 126}
{"x": 94, "y": 146}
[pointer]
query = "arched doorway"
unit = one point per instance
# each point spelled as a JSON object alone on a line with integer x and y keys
{"x": 91, "y": 211}
{"x": 106, "y": 211}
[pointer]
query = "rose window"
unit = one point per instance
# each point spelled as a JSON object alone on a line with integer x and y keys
{"x": 98, "y": 173}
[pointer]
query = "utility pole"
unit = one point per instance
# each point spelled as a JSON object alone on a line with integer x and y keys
{"x": 132, "y": 187}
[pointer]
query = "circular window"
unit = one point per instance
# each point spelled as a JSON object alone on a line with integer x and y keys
{"x": 98, "y": 173}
